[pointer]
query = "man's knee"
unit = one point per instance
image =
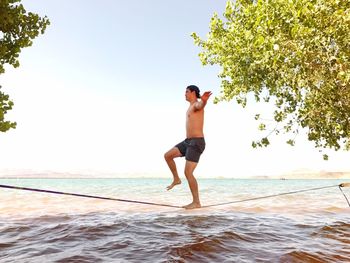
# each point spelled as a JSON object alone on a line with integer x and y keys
{"x": 168, "y": 156}
{"x": 173, "y": 153}
{"x": 188, "y": 173}
{"x": 189, "y": 168}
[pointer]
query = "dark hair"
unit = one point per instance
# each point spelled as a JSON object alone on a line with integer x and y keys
{"x": 196, "y": 89}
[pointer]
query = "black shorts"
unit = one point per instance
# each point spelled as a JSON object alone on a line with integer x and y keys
{"x": 191, "y": 148}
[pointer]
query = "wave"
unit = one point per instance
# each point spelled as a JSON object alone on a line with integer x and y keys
{"x": 173, "y": 237}
{"x": 301, "y": 256}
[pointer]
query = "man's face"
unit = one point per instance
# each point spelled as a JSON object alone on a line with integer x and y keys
{"x": 189, "y": 94}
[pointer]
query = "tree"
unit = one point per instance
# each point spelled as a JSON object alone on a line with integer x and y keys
{"x": 293, "y": 53}
{"x": 17, "y": 30}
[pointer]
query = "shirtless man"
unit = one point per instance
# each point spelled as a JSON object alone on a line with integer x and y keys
{"x": 194, "y": 144}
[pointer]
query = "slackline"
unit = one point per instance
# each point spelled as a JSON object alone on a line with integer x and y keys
{"x": 83, "y": 195}
{"x": 286, "y": 193}
{"x": 175, "y": 206}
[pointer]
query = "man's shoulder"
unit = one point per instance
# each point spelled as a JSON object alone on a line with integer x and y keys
{"x": 197, "y": 106}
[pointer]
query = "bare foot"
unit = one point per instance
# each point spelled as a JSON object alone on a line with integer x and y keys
{"x": 175, "y": 182}
{"x": 192, "y": 205}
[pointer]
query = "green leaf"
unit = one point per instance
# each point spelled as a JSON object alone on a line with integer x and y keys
{"x": 17, "y": 29}
{"x": 262, "y": 127}
{"x": 291, "y": 142}
{"x": 297, "y": 52}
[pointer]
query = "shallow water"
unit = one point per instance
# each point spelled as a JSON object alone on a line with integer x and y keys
{"x": 306, "y": 227}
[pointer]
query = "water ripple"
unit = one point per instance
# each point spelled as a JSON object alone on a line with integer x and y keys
{"x": 177, "y": 237}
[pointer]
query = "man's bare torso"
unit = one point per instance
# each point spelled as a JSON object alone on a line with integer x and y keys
{"x": 194, "y": 122}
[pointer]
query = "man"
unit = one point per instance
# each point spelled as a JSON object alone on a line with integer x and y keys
{"x": 194, "y": 144}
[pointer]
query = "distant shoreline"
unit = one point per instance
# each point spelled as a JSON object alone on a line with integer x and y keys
{"x": 301, "y": 175}
{"x": 332, "y": 176}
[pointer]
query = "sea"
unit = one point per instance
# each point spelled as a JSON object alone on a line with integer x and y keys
{"x": 305, "y": 226}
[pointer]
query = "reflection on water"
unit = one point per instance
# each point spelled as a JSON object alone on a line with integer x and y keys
{"x": 307, "y": 227}
{"x": 163, "y": 237}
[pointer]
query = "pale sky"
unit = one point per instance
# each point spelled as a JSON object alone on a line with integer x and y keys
{"x": 102, "y": 91}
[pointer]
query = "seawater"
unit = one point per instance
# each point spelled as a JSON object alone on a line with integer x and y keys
{"x": 305, "y": 227}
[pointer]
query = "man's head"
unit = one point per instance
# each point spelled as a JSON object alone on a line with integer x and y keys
{"x": 193, "y": 88}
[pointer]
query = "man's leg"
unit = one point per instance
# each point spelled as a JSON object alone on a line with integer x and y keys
{"x": 169, "y": 158}
{"x": 192, "y": 182}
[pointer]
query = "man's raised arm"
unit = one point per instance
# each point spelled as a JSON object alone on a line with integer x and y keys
{"x": 204, "y": 98}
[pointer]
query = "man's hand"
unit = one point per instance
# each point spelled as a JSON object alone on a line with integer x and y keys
{"x": 201, "y": 104}
{"x": 206, "y": 96}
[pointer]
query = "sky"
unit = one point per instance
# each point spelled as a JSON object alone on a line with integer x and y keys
{"x": 103, "y": 92}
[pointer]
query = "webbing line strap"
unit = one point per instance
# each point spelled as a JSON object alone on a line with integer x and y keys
{"x": 83, "y": 195}
{"x": 174, "y": 206}
{"x": 281, "y": 194}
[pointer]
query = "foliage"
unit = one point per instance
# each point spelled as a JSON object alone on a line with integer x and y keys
{"x": 5, "y": 105}
{"x": 17, "y": 30}
{"x": 294, "y": 53}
